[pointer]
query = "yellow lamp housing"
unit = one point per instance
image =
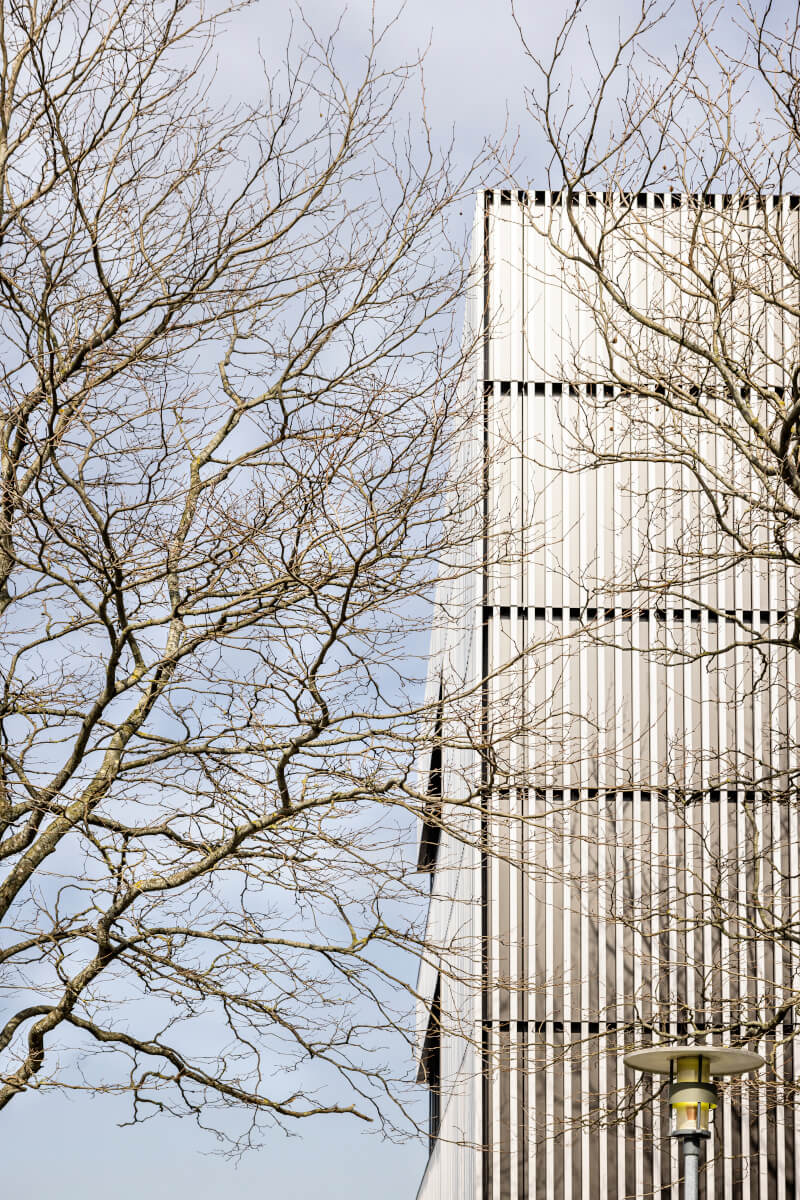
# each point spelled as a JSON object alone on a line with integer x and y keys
{"x": 692, "y": 1096}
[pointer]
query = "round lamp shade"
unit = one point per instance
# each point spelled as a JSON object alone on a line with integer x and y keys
{"x": 722, "y": 1060}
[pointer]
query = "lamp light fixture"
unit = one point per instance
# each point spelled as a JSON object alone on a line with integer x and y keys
{"x": 692, "y": 1095}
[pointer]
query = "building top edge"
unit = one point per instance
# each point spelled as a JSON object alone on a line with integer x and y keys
{"x": 550, "y": 197}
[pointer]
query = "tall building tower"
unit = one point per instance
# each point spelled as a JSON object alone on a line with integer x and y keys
{"x": 635, "y": 830}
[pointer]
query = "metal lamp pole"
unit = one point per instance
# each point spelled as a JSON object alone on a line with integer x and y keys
{"x": 692, "y": 1095}
{"x": 691, "y": 1165}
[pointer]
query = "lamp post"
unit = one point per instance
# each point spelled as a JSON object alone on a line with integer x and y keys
{"x": 692, "y": 1095}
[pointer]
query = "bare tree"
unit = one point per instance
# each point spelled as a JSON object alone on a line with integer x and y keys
{"x": 688, "y": 272}
{"x": 675, "y": 226}
{"x": 228, "y": 387}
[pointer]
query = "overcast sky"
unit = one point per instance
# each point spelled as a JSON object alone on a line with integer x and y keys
{"x": 73, "y": 1148}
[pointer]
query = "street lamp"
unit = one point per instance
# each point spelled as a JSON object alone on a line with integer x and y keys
{"x": 692, "y": 1095}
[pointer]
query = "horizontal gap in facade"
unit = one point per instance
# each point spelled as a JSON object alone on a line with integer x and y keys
{"x": 758, "y": 201}
{"x": 745, "y": 616}
{"x": 736, "y": 794}
{"x": 562, "y": 388}
{"x": 672, "y": 1028}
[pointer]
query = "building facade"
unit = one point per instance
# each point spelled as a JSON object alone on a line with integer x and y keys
{"x": 627, "y": 865}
